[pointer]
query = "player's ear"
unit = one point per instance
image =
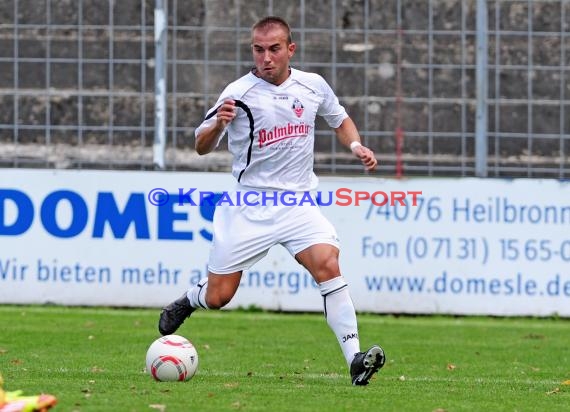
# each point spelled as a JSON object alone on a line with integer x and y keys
{"x": 291, "y": 49}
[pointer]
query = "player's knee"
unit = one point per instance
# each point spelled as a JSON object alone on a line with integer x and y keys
{"x": 217, "y": 301}
{"x": 329, "y": 267}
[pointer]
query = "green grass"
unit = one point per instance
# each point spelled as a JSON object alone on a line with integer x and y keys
{"x": 92, "y": 359}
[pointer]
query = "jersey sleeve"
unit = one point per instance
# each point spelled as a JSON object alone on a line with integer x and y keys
{"x": 210, "y": 119}
{"x": 330, "y": 108}
{"x": 234, "y": 91}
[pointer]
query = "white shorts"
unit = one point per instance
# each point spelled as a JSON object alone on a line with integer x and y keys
{"x": 244, "y": 234}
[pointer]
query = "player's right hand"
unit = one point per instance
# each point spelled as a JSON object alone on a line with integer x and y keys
{"x": 226, "y": 113}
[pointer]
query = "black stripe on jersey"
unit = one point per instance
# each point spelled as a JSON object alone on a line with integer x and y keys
{"x": 247, "y": 111}
{"x": 213, "y": 113}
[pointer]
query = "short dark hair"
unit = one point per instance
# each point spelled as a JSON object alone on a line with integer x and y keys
{"x": 268, "y": 21}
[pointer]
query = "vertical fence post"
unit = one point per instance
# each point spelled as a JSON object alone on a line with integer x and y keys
{"x": 482, "y": 90}
{"x": 160, "y": 63}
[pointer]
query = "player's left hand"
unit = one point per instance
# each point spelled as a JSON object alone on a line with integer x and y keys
{"x": 366, "y": 156}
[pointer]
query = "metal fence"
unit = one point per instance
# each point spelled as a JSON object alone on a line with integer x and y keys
{"x": 78, "y": 81}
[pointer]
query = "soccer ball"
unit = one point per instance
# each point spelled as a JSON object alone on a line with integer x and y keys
{"x": 172, "y": 358}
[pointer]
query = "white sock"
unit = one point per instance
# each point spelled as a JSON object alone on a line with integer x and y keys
{"x": 197, "y": 295}
{"x": 341, "y": 316}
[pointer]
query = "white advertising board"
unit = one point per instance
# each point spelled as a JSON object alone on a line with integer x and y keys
{"x": 422, "y": 245}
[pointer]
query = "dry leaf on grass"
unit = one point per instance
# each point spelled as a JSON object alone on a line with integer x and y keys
{"x": 451, "y": 366}
{"x": 533, "y": 336}
{"x": 553, "y": 392}
{"x": 158, "y": 407}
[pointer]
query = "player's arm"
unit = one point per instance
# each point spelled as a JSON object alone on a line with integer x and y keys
{"x": 207, "y": 139}
{"x": 349, "y": 137}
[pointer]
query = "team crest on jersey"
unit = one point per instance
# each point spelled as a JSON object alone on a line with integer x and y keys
{"x": 298, "y": 107}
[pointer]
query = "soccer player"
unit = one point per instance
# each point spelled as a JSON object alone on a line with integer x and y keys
{"x": 269, "y": 115}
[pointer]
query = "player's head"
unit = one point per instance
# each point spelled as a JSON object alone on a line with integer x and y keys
{"x": 272, "y": 22}
{"x": 272, "y": 48}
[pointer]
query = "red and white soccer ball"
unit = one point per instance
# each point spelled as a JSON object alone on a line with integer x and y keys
{"x": 172, "y": 358}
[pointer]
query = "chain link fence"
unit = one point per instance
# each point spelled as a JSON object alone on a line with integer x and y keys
{"x": 77, "y": 85}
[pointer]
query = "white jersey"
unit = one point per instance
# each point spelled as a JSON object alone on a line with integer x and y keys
{"x": 273, "y": 134}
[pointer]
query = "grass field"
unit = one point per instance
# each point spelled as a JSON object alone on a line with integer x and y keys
{"x": 92, "y": 359}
